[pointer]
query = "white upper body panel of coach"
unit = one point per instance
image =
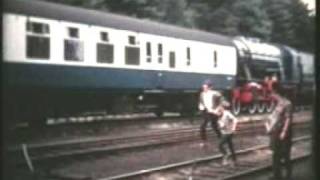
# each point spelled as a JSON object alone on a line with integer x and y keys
{"x": 208, "y": 53}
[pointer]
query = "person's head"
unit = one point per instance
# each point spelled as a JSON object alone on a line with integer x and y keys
{"x": 207, "y": 84}
{"x": 225, "y": 105}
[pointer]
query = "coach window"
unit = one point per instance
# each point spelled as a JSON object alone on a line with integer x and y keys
{"x": 104, "y": 49}
{"x": 73, "y": 46}
{"x": 188, "y": 57}
{"x": 132, "y": 52}
{"x": 104, "y": 36}
{"x": 172, "y": 59}
{"x": 160, "y": 53}
{"x": 215, "y": 59}
{"x": 148, "y": 48}
{"x": 37, "y": 40}
{"x": 132, "y": 40}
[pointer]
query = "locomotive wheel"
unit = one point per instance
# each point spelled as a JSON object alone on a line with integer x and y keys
{"x": 236, "y": 107}
{"x": 253, "y": 108}
{"x": 261, "y": 106}
{"x": 270, "y": 106}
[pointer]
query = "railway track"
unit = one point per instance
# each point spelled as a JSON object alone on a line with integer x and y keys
{"x": 68, "y": 131}
{"x": 49, "y": 151}
{"x": 60, "y": 134}
{"x": 209, "y": 167}
{"x": 126, "y": 118}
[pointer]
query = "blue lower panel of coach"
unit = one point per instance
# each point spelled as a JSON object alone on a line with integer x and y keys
{"x": 56, "y": 76}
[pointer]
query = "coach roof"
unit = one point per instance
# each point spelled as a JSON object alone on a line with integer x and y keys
{"x": 93, "y": 17}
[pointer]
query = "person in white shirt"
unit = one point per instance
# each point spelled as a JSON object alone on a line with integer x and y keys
{"x": 209, "y": 100}
{"x": 228, "y": 124}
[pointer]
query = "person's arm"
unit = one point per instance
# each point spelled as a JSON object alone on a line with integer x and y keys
{"x": 285, "y": 129}
{"x": 286, "y": 123}
{"x": 201, "y": 106}
{"x": 234, "y": 121}
{"x": 267, "y": 126}
{"x": 217, "y": 99}
{"x": 217, "y": 111}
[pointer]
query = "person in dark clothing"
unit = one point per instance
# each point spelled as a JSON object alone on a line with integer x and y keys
{"x": 208, "y": 102}
{"x": 279, "y": 127}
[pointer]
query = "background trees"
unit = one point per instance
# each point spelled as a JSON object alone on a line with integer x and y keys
{"x": 286, "y": 21}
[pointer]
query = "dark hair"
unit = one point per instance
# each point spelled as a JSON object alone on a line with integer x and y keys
{"x": 207, "y": 82}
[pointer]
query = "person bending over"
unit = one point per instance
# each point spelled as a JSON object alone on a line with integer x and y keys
{"x": 228, "y": 125}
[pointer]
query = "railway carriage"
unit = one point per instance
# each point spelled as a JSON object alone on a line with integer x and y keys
{"x": 60, "y": 60}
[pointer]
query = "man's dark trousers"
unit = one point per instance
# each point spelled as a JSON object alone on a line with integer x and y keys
{"x": 209, "y": 117}
{"x": 281, "y": 150}
{"x": 227, "y": 139}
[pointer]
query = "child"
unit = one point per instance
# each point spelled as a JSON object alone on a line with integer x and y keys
{"x": 227, "y": 124}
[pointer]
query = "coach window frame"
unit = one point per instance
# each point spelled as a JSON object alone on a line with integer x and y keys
{"x": 30, "y": 33}
{"x": 148, "y": 52}
{"x": 172, "y": 59}
{"x": 104, "y": 40}
{"x": 160, "y": 52}
{"x": 215, "y": 59}
{"x": 188, "y": 63}
{"x": 75, "y": 39}
{"x": 132, "y": 44}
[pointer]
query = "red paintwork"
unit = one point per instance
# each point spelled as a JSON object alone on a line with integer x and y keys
{"x": 245, "y": 94}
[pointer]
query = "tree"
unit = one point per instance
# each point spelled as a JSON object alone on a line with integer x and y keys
{"x": 292, "y": 24}
{"x": 302, "y": 25}
{"x": 247, "y": 18}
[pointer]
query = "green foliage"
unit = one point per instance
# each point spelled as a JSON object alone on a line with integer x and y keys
{"x": 292, "y": 24}
{"x": 246, "y": 18}
{"x": 285, "y": 21}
